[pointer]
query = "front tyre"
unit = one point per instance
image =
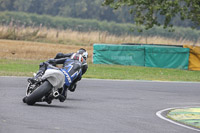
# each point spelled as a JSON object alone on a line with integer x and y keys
{"x": 38, "y": 93}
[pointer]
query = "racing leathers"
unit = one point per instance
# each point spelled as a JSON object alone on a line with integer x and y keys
{"x": 84, "y": 63}
{"x": 72, "y": 87}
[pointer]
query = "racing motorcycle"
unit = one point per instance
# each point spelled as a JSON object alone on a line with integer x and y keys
{"x": 48, "y": 87}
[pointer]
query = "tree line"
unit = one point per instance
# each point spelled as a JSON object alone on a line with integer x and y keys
{"x": 20, "y": 19}
{"x": 84, "y": 9}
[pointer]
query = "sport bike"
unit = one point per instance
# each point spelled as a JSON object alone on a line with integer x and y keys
{"x": 48, "y": 87}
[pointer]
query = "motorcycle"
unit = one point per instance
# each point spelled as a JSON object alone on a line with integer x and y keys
{"x": 49, "y": 87}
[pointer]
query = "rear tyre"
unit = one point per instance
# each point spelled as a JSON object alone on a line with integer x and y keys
{"x": 39, "y": 93}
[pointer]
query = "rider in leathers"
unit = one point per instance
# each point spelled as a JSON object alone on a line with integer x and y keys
{"x": 81, "y": 51}
{"x": 84, "y": 53}
{"x": 74, "y": 64}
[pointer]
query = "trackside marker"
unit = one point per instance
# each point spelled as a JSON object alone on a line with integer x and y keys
{"x": 159, "y": 114}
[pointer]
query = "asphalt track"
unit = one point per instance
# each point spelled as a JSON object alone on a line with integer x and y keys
{"x": 97, "y": 106}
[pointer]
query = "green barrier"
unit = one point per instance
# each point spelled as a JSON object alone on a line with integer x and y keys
{"x": 141, "y": 55}
{"x": 118, "y": 54}
{"x": 167, "y": 57}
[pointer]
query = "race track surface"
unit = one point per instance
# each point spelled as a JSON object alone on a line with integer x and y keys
{"x": 97, "y": 106}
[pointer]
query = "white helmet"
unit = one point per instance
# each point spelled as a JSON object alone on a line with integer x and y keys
{"x": 83, "y": 52}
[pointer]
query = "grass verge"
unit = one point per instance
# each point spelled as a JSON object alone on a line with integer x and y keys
{"x": 13, "y": 67}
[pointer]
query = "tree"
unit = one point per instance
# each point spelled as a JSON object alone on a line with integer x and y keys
{"x": 149, "y": 12}
{"x": 7, "y": 5}
{"x": 22, "y": 5}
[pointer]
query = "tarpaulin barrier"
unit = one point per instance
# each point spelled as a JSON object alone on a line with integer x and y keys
{"x": 141, "y": 55}
{"x": 118, "y": 54}
{"x": 167, "y": 57}
{"x": 194, "y": 59}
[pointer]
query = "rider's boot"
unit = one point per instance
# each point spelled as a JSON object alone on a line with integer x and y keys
{"x": 72, "y": 88}
{"x": 37, "y": 78}
{"x": 62, "y": 97}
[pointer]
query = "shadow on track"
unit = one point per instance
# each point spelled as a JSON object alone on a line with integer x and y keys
{"x": 75, "y": 99}
{"x": 64, "y": 105}
{"x": 50, "y": 106}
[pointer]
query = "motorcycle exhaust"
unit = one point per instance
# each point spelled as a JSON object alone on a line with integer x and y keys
{"x": 56, "y": 94}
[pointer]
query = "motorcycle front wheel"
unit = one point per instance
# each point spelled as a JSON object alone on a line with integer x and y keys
{"x": 39, "y": 93}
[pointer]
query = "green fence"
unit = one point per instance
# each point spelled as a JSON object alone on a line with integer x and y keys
{"x": 141, "y": 55}
{"x": 167, "y": 57}
{"x": 118, "y": 54}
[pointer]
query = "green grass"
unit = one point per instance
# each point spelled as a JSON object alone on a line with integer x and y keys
{"x": 141, "y": 73}
{"x": 28, "y": 67}
{"x": 18, "y": 67}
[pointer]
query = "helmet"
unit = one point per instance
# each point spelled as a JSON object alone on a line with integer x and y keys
{"x": 77, "y": 56}
{"x": 83, "y": 52}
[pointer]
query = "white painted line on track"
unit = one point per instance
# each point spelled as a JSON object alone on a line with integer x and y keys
{"x": 159, "y": 114}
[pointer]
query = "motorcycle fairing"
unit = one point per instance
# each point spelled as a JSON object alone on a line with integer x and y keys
{"x": 55, "y": 77}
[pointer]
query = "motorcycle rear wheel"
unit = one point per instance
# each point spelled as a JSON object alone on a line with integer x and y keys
{"x": 39, "y": 93}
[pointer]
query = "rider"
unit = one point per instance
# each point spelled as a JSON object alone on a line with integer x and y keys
{"x": 84, "y": 54}
{"x": 81, "y": 51}
{"x": 71, "y": 62}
